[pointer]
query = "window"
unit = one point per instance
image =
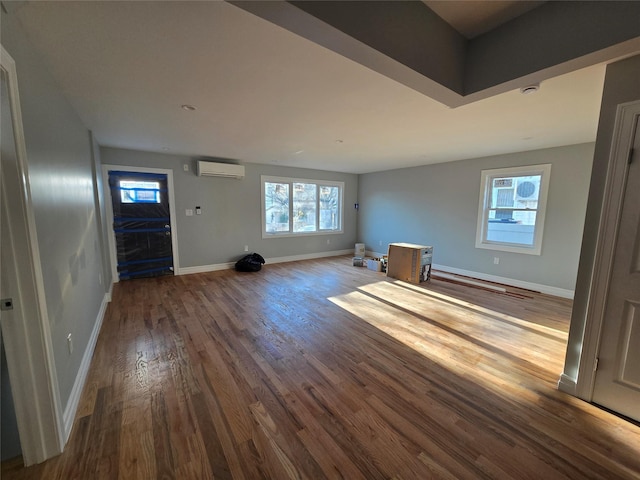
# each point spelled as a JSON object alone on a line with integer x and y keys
{"x": 512, "y": 208}
{"x": 136, "y": 191}
{"x": 292, "y": 206}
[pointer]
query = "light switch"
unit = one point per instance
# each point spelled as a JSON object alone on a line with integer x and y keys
{"x": 198, "y": 211}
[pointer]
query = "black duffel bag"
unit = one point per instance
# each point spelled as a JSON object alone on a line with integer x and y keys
{"x": 250, "y": 263}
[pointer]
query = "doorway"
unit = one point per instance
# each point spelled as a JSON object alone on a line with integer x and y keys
{"x": 141, "y": 224}
{"x": 141, "y": 210}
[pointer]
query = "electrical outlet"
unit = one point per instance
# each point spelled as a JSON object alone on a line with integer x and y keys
{"x": 186, "y": 167}
{"x": 496, "y": 260}
{"x": 70, "y": 344}
{"x": 198, "y": 210}
{"x": 246, "y": 248}
{"x": 189, "y": 212}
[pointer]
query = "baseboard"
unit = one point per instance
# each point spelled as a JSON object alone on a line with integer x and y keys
{"x": 309, "y": 256}
{"x": 205, "y": 268}
{"x": 74, "y": 399}
{"x": 546, "y": 289}
{"x": 567, "y": 384}
{"x": 290, "y": 258}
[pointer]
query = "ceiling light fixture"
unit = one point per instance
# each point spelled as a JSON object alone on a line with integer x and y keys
{"x": 533, "y": 88}
{"x": 189, "y": 108}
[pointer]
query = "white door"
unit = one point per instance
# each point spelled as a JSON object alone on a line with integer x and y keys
{"x": 617, "y": 381}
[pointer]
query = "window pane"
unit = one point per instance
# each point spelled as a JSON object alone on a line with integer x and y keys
{"x": 304, "y": 207}
{"x": 518, "y": 192}
{"x": 518, "y": 230}
{"x": 329, "y": 208}
{"x": 139, "y": 192}
{"x": 276, "y": 205}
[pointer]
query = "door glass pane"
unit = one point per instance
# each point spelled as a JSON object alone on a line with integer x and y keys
{"x": 304, "y": 207}
{"x": 329, "y": 208}
{"x": 276, "y": 205}
{"x": 139, "y": 192}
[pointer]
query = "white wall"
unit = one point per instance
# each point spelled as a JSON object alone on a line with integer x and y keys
{"x": 231, "y": 210}
{"x": 437, "y": 205}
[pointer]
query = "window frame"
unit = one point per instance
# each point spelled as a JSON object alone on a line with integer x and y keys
{"x": 484, "y": 207}
{"x": 290, "y": 181}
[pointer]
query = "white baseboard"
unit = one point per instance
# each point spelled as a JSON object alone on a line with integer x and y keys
{"x": 568, "y": 385}
{"x": 290, "y": 258}
{"x": 205, "y": 268}
{"x": 74, "y": 399}
{"x": 309, "y": 256}
{"x": 546, "y": 289}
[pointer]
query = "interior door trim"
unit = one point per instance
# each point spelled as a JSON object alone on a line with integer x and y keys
{"x": 30, "y": 359}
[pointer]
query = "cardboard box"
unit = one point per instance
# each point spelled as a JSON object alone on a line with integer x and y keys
{"x": 408, "y": 262}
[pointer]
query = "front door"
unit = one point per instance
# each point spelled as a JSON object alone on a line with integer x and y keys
{"x": 617, "y": 382}
{"x": 141, "y": 224}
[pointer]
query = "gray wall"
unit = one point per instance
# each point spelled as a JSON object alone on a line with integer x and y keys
{"x": 60, "y": 172}
{"x": 438, "y": 205}
{"x": 231, "y": 210}
{"x": 621, "y": 85}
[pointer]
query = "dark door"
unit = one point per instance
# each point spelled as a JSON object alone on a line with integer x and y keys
{"x": 141, "y": 223}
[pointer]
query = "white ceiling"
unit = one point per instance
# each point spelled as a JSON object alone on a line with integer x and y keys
{"x": 266, "y": 95}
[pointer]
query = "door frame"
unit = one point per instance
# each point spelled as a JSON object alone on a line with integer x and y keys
{"x": 28, "y": 344}
{"x": 109, "y": 208}
{"x": 627, "y": 115}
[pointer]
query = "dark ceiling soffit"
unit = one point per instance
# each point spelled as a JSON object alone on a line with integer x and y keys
{"x": 408, "y": 32}
{"x": 292, "y": 18}
{"x": 407, "y": 42}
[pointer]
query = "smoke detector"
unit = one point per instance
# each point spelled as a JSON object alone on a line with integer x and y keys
{"x": 533, "y": 88}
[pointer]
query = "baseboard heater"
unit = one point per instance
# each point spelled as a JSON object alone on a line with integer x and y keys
{"x": 468, "y": 281}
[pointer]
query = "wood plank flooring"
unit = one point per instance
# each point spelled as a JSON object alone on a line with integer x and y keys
{"x": 317, "y": 369}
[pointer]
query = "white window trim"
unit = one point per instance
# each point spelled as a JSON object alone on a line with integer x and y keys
{"x": 483, "y": 208}
{"x": 291, "y": 180}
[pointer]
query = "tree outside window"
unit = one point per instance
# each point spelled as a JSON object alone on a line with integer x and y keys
{"x": 301, "y": 207}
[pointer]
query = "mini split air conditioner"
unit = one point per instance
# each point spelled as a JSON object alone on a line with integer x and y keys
{"x": 214, "y": 169}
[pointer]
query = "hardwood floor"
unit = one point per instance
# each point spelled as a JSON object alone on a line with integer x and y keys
{"x": 318, "y": 369}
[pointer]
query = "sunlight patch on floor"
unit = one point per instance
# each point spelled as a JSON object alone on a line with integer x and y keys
{"x": 454, "y": 337}
{"x": 483, "y": 310}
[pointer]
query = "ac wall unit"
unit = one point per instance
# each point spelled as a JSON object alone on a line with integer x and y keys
{"x": 214, "y": 169}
